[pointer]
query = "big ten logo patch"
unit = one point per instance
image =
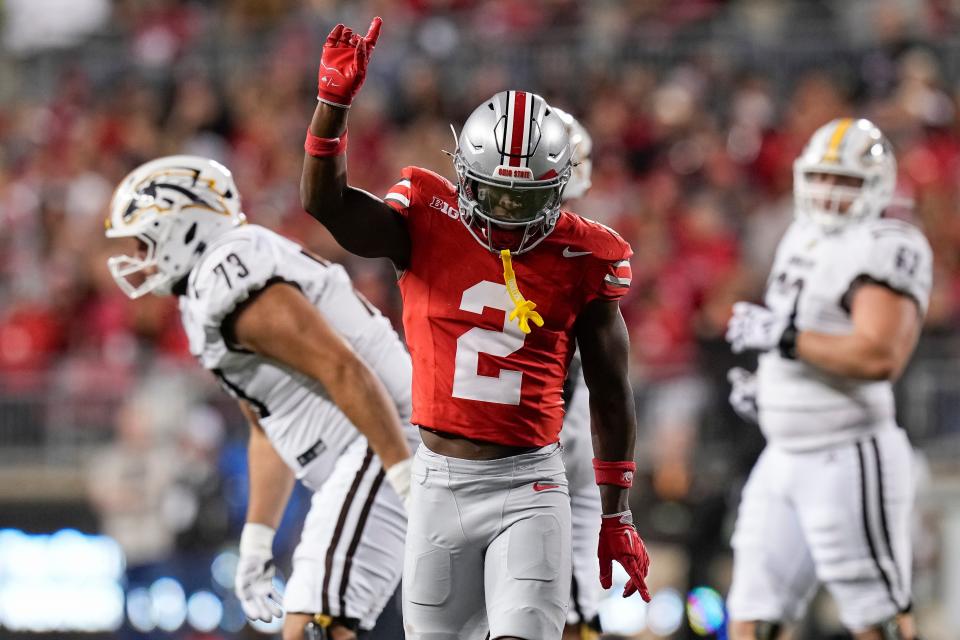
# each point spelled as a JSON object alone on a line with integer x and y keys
{"x": 440, "y": 205}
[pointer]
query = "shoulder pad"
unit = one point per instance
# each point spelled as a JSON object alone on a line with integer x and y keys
{"x": 602, "y": 241}
{"x": 897, "y": 254}
{"x": 230, "y": 272}
{"x": 421, "y": 178}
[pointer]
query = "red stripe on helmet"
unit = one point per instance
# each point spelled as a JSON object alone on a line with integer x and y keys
{"x": 519, "y": 118}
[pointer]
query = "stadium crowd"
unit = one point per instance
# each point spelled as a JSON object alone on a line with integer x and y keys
{"x": 697, "y": 109}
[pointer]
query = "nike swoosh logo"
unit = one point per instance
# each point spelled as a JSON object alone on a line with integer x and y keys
{"x": 573, "y": 254}
{"x": 542, "y": 486}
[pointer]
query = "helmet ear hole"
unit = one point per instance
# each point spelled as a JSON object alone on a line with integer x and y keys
{"x": 191, "y": 233}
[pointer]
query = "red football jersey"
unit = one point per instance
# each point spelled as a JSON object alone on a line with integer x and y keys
{"x": 475, "y": 374}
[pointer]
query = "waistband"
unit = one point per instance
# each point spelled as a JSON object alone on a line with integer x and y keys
{"x": 498, "y": 466}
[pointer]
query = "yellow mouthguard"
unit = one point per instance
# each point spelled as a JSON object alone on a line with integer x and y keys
{"x": 523, "y": 310}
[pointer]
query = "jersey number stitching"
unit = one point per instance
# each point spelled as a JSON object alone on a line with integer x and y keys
{"x": 240, "y": 268}
{"x": 468, "y": 384}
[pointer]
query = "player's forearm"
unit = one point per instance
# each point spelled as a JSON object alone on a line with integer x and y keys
{"x": 364, "y": 400}
{"x": 612, "y": 422}
{"x": 850, "y": 356}
{"x": 324, "y": 180}
{"x": 271, "y": 481}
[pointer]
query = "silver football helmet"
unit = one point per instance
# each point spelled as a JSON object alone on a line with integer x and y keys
{"x": 174, "y": 206}
{"x": 846, "y": 173}
{"x": 513, "y": 160}
{"x": 582, "y": 144}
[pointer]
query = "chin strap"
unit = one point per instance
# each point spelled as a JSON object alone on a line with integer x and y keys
{"x": 523, "y": 310}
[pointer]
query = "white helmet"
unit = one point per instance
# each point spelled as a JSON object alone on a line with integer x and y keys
{"x": 512, "y": 162}
{"x": 176, "y": 206}
{"x": 849, "y": 148}
{"x": 582, "y": 145}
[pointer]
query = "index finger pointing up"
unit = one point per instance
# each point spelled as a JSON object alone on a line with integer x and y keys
{"x": 374, "y": 31}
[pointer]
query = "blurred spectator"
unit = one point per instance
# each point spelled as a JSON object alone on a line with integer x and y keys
{"x": 129, "y": 482}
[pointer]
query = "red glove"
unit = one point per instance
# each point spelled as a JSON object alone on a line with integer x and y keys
{"x": 620, "y": 541}
{"x": 343, "y": 65}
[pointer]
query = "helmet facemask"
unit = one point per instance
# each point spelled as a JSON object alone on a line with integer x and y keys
{"x": 510, "y": 215}
{"x": 138, "y": 274}
{"x": 831, "y": 199}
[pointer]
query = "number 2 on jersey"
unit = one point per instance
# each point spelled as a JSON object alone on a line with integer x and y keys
{"x": 467, "y": 382}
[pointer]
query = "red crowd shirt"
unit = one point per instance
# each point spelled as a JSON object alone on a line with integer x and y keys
{"x": 475, "y": 374}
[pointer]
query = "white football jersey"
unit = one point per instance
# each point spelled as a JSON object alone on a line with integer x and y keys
{"x": 306, "y": 428}
{"x": 813, "y": 277}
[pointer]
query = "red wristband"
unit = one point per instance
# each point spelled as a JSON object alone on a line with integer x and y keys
{"x": 619, "y": 474}
{"x": 324, "y": 147}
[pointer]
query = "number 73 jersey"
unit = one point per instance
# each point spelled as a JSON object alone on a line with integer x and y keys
{"x": 295, "y": 410}
{"x": 475, "y": 374}
{"x": 814, "y": 277}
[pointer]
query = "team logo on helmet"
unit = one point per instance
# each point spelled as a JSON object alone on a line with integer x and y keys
{"x": 174, "y": 206}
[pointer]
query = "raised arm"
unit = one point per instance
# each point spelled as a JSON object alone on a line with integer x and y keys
{"x": 604, "y": 349}
{"x": 360, "y": 221}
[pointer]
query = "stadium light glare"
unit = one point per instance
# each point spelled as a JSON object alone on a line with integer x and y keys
{"x": 204, "y": 611}
{"x": 66, "y": 581}
{"x": 705, "y": 611}
{"x": 168, "y": 604}
{"x": 619, "y": 615}
{"x": 140, "y": 610}
{"x": 665, "y": 612}
{"x": 223, "y": 568}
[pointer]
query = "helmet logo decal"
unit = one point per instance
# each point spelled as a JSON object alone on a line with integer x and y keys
{"x": 833, "y": 148}
{"x": 518, "y": 132}
{"x": 156, "y": 194}
{"x": 520, "y": 127}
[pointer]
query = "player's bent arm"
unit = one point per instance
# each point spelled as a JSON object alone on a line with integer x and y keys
{"x": 604, "y": 349}
{"x": 359, "y": 221}
{"x": 271, "y": 480}
{"x": 886, "y": 326}
{"x": 280, "y": 323}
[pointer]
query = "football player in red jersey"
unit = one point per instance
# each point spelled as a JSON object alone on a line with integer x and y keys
{"x": 498, "y": 286}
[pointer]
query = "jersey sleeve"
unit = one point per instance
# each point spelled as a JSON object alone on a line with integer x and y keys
{"x": 610, "y": 273}
{"x": 899, "y": 258}
{"x": 400, "y": 195}
{"x": 230, "y": 274}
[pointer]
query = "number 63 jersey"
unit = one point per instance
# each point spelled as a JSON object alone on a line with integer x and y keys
{"x": 304, "y": 425}
{"x": 475, "y": 374}
{"x": 814, "y": 277}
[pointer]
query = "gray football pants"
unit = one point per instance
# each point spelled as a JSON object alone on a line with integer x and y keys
{"x": 488, "y": 547}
